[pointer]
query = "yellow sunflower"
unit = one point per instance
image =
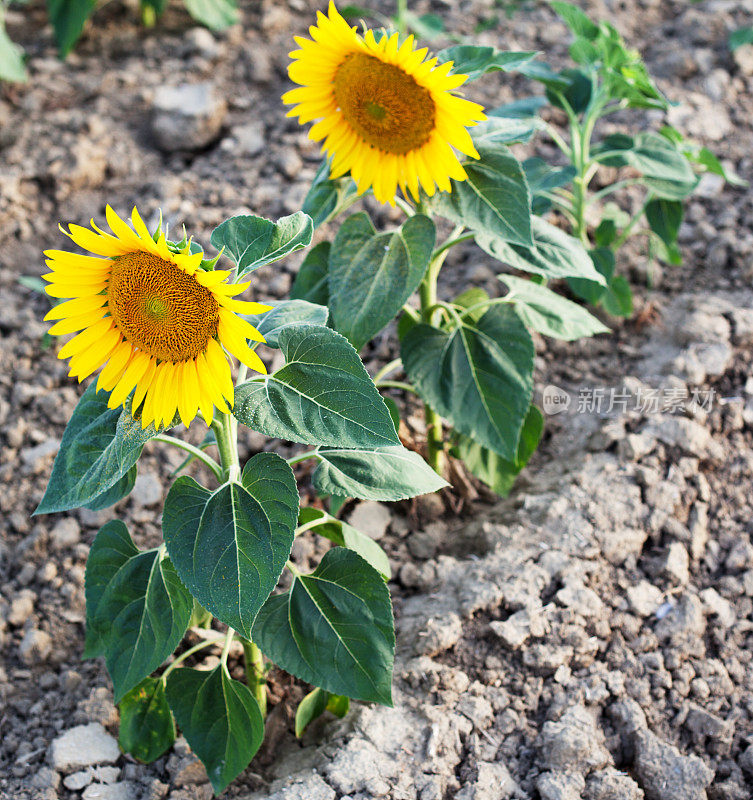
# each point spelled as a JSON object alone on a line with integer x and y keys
{"x": 153, "y": 320}
{"x": 385, "y": 113}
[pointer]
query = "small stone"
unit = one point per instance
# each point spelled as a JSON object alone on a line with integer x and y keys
{"x": 683, "y": 622}
{"x": 35, "y": 647}
{"x": 644, "y": 598}
{"x": 666, "y": 774}
{"x": 716, "y": 604}
{"x": 187, "y": 117}
{"x": 113, "y": 791}
{"x": 76, "y": 781}
{"x": 743, "y": 56}
{"x": 581, "y": 600}
{"x": 560, "y": 785}
{"x": 83, "y": 746}
{"x": 676, "y": 564}
{"x": 493, "y": 782}
{"x": 438, "y": 635}
{"x": 514, "y": 631}
{"x": 740, "y": 556}
{"x": 477, "y": 709}
{"x": 698, "y": 526}
{"x": 66, "y": 533}
{"x": 572, "y": 743}
{"x": 422, "y": 544}
{"x": 32, "y": 456}
{"x": 610, "y": 784}
{"x": 250, "y": 138}
{"x": 147, "y": 490}
{"x": 687, "y": 434}
{"x": 371, "y": 518}
{"x": 637, "y": 445}
{"x": 545, "y": 658}
{"x": 45, "y": 778}
{"x": 360, "y": 767}
{"x": 202, "y": 42}
{"x": 746, "y": 759}
{"x": 703, "y": 723}
{"x": 308, "y": 787}
{"x": 21, "y": 607}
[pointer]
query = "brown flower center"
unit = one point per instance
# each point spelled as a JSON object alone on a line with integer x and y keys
{"x": 383, "y": 104}
{"x": 159, "y": 308}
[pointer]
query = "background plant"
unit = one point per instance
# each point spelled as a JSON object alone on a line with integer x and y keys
{"x": 226, "y": 545}
{"x": 470, "y": 359}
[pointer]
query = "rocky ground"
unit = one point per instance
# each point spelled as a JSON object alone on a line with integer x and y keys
{"x": 588, "y": 637}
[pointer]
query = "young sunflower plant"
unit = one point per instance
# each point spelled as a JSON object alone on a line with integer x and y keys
{"x": 394, "y": 123}
{"x": 164, "y": 329}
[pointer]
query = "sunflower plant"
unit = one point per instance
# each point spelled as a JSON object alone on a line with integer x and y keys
{"x": 394, "y": 124}
{"x": 174, "y": 344}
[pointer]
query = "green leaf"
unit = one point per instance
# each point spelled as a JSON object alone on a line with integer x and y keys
{"x": 147, "y": 728}
{"x": 323, "y": 394}
{"x": 139, "y": 609}
{"x": 325, "y": 194}
{"x": 554, "y": 254}
{"x": 12, "y": 66}
{"x": 618, "y": 299}
{"x": 425, "y": 26}
{"x": 371, "y": 274}
{"x": 116, "y": 492}
{"x": 479, "y": 375}
{"x": 99, "y": 448}
{"x": 496, "y": 472}
{"x": 338, "y": 704}
{"x": 592, "y": 291}
{"x": 230, "y": 546}
{"x": 67, "y": 18}
{"x": 576, "y": 20}
{"x": 740, "y": 37}
{"x": 475, "y": 61}
{"x": 666, "y": 170}
{"x": 542, "y": 178}
{"x": 345, "y": 535}
{"x": 285, "y": 314}
{"x": 383, "y": 473}
{"x": 476, "y": 299}
{"x": 549, "y": 313}
{"x": 494, "y": 200}
{"x": 220, "y": 719}
{"x": 311, "y": 282}
{"x": 524, "y": 108}
{"x": 541, "y": 71}
{"x": 606, "y": 233}
{"x": 253, "y": 241}
{"x": 504, "y": 130}
{"x": 577, "y": 93}
{"x": 333, "y": 628}
{"x": 215, "y": 14}
{"x": 313, "y": 705}
{"x": 664, "y": 218}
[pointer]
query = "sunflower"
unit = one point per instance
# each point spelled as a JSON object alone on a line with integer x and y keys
{"x": 153, "y": 320}
{"x": 385, "y": 113}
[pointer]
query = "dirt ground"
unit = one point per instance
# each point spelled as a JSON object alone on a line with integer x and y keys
{"x": 591, "y": 635}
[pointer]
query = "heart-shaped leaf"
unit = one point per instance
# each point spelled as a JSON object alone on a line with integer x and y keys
{"x": 254, "y": 241}
{"x": 139, "y": 610}
{"x": 312, "y": 283}
{"x": 284, "y": 314}
{"x": 371, "y": 274}
{"x": 476, "y": 60}
{"x": 147, "y": 728}
{"x": 325, "y": 194}
{"x": 479, "y": 375}
{"x": 323, "y": 394}
{"x": 333, "y": 628}
{"x": 230, "y": 546}
{"x": 220, "y": 719}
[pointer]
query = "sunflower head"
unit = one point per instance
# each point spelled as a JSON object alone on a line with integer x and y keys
{"x": 157, "y": 324}
{"x": 387, "y": 114}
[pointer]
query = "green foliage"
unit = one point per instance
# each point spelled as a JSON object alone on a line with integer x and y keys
{"x": 12, "y": 67}
{"x": 740, "y": 37}
{"x": 230, "y": 546}
{"x": 333, "y": 628}
{"x": 475, "y": 61}
{"x": 215, "y": 14}
{"x": 322, "y": 395}
{"x": 137, "y": 610}
{"x": 478, "y": 375}
{"x": 371, "y": 275}
{"x": 68, "y": 18}
{"x": 99, "y": 448}
{"x": 285, "y": 314}
{"x": 325, "y": 195}
{"x": 312, "y": 282}
{"x": 147, "y": 728}
{"x": 220, "y": 719}
{"x": 252, "y": 241}
{"x": 314, "y": 704}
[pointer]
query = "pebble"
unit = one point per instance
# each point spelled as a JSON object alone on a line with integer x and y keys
{"x": 666, "y": 774}
{"x": 371, "y": 518}
{"x": 676, "y": 564}
{"x": 21, "y": 607}
{"x": 493, "y": 782}
{"x": 644, "y": 598}
{"x": 31, "y": 456}
{"x": 187, "y": 117}
{"x": 35, "y": 647}
{"x": 250, "y": 139}
{"x": 610, "y": 784}
{"x": 147, "y": 490}
{"x": 572, "y": 743}
{"x": 560, "y": 786}
{"x": 83, "y": 746}
{"x": 581, "y": 600}
{"x": 114, "y": 791}
{"x": 66, "y": 533}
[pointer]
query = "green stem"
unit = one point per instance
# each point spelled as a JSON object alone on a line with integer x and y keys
{"x": 255, "y": 673}
{"x": 227, "y": 443}
{"x": 406, "y": 387}
{"x": 226, "y": 647}
{"x": 400, "y": 23}
{"x": 302, "y": 457}
{"x": 191, "y": 650}
{"x": 387, "y": 368}
{"x": 194, "y": 451}
{"x": 628, "y": 229}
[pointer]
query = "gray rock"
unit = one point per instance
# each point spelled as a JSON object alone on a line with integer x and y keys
{"x": 45, "y": 778}
{"x": 545, "y": 658}
{"x": 438, "y": 635}
{"x": 572, "y": 743}
{"x": 740, "y": 555}
{"x": 703, "y": 723}
{"x": 513, "y": 631}
{"x": 666, "y": 774}
{"x": 32, "y": 456}
{"x": 610, "y": 784}
{"x": 687, "y": 434}
{"x": 371, "y": 518}
{"x": 746, "y": 759}
{"x": 493, "y": 782}
{"x": 300, "y": 787}
{"x": 35, "y": 647}
{"x": 21, "y": 607}
{"x": 743, "y": 56}
{"x": 676, "y": 564}
{"x": 147, "y": 490}
{"x": 76, "y": 781}
{"x": 698, "y": 527}
{"x": 560, "y": 785}
{"x": 718, "y": 605}
{"x": 201, "y": 41}
{"x": 83, "y": 746}
{"x": 187, "y": 117}
{"x": 114, "y": 791}
{"x": 581, "y": 600}
{"x": 66, "y": 533}
{"x": 360, "y": 767}
{"x": 644, "y": 598}
{"x": 250, "y": 138}
{"x": 683, "y": 622}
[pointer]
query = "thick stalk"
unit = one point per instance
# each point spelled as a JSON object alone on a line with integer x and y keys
{"x": 227, "y": 443}
{"x": 255, "y": 673}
